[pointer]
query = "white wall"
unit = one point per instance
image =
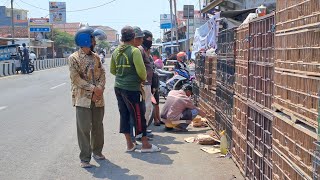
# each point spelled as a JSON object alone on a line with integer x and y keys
{"x": 256, "y": 3}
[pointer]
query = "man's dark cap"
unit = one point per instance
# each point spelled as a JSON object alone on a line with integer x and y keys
{"x": 127, "y": 34}
{"x": 147, "y": 34}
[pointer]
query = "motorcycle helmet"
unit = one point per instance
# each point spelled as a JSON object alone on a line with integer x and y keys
{"x": 181, "y": 56}
{"x": 84, "y": 35}
{"x": 158, "y": 63}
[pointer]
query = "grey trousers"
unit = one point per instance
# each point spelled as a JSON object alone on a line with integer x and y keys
{"x": 89, "y": 120}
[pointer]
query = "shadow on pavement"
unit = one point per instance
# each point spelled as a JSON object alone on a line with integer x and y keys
{"x": 111, "y": 171}
{"x": 165, "y": 140}
{"x": 160, "y": 158}
{"x": 160, "y": 129}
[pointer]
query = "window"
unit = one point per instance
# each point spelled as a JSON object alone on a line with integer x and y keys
{"x": 18, "y": 17}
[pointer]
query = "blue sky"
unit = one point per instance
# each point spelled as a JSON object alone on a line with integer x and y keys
{"x": 117, "y": 14}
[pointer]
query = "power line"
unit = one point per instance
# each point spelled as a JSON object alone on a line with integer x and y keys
{"x": 34, "y": 6}
{"x": 17, "y": 4}
{"x": 79, "y": 10}
{"x": 5, "y": 3}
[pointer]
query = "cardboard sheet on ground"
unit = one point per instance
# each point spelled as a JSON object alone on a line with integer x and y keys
{"x": 203, "y": 139}
{"x": 189, "y": 139}
{"x": 211, "y": 150}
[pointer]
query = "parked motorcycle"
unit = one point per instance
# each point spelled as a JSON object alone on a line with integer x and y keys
{"x": 175, "y": 82}
{"x": 31, "y": 66}
{"x": 19, "y": 66}
{"x": 164, "y": 76}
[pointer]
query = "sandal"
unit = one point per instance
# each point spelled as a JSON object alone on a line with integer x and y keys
{"x": 99, "y": 157}
{"x": 85, "y": 165}
{"x": 176, "y": 129}
{"x": 132, "y": 149}
{"x": 153, "y": 148}
{"x": 156, "y": 123}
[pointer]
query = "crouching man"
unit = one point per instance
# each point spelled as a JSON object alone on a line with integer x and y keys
{"x": 178, "y": 110}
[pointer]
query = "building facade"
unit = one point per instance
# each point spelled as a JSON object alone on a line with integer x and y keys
{"x": 111, "y": 33}
{"x": 20, "y": 17}
{"x": 70, "y": 28}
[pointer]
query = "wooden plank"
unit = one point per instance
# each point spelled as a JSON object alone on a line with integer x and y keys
{"x": 299, "y": 18}
{"x": 295, "y": 116}
{"x": 299, "y": 75}
{"x": 293, "y": 165}
{"x": 305, "y": 28}
{"x": 306, "y": 73}
{"x": 236, "y": 130}
{"x": 260, "y": 108}
{"x": 294, "y": 125}
{"x": 293, "y": 6}
{"x": 242, "y": 97}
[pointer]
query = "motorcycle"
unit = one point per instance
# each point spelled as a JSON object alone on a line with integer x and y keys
{"x": 19, "y": 66}
{"x": 163, "y": 77}
{"x": 180, "y": 77}
{"x": 31, "y": 66}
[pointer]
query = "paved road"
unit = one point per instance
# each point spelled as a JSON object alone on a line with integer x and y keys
{"x": 38, "y": 138}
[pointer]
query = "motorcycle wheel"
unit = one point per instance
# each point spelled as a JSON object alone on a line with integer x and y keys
{"x": 31, "y": 68}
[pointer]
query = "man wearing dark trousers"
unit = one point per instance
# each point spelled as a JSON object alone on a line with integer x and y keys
{"x": 129, "y": 70}
{"x": 88, "y": 82}
{"x": 25, "y": 59}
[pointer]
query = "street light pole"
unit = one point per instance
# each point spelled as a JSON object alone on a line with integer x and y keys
{"x": 171, "y": 26}
{"x": 176, "y": 22}
{"x": 12, "y": 22}
{"x": 188, "y": 32}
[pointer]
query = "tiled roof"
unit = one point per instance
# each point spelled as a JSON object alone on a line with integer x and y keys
{"x": 19, "y": 32}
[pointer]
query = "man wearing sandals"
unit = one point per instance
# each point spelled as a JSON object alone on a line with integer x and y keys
{"x": 178, "y": 110}
{"x": 128, "y": 67}
{"x": 88, "y": 82}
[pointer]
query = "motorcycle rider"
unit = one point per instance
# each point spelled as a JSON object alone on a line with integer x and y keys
{"x": 181, "y": 58}
{"x": 25, "y": 59}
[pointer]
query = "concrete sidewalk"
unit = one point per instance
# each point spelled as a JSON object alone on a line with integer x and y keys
{"x": 188, "y": 161}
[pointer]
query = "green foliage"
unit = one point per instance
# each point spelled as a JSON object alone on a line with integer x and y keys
{"x": 63, "y": 40}
{"x": 103, "y": 45}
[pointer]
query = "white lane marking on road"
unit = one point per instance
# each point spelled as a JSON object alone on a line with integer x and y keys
{"x": 54, "y": 87}
{"x": 3, "y": 107}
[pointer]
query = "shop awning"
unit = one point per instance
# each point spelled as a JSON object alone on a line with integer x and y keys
{"x": 234, "y": 13}
{"x": 215, "y": 3}
{"x": 211, "y": 5}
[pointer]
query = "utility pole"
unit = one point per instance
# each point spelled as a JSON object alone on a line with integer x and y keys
{"x": 171, "y": 26}
{"x": 12, "y": 22}
{"x": 188, "y": 32}
{"x": 176, "y": 22}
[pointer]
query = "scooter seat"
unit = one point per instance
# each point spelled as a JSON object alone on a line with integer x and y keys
{"x": 168, "y": 73}
{"x": 162, "y": 77}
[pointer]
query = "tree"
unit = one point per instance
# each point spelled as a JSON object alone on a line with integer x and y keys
{"x": 103, "y": 45}
{"x": 63, "y": 42}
